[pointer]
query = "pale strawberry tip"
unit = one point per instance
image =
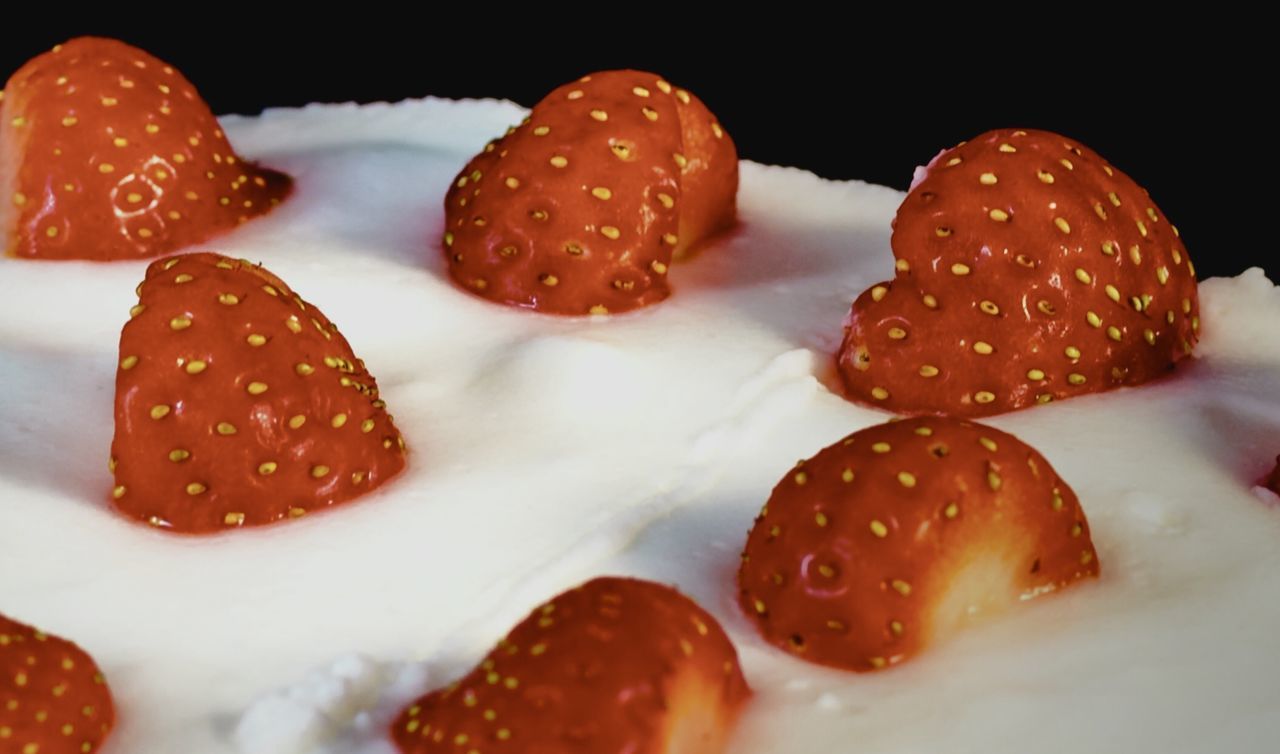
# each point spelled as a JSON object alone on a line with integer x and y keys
{"x": 902, "y": 533}
{"x": 581, "y": 208}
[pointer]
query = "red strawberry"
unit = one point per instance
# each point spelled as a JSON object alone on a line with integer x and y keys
{"x": 898, "y": 534}
{"x": 615, "y": 666}
{"x": 581, "y": 208}
{"x": 53, "y": 699}
{"x": 238, "y": 403}
{"x": 110, "y": 153}
{"x": 1028, "y": 270}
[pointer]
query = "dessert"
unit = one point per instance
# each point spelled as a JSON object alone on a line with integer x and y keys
{"x": 900, "y": 534}
{"x": 109, "y": 153}
{"x": 614, "y": 665}
{"x": 1028, "y": 270}
{"x": 53, "y": 700}
{"x": 240, "y": 404}
{"x": 548, "y": 451}
{"x": 581, "y": 208}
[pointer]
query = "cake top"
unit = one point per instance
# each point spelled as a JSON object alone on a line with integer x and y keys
{"x": 635, "y": 425}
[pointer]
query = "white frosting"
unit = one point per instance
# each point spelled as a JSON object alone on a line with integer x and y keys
{"x": 546, "y": 451}
{"x": 344, "y": 708}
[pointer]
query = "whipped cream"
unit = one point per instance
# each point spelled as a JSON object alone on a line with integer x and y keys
{"x": 545, "y": 451}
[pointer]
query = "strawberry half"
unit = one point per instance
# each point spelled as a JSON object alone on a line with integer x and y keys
{"x": 901, "y": 533}
{"x": 109, "y": 153}
{"x": 616, "y": 665}
{"x": 238, "y": 403}
{"x": 581, "y": 208}
{"x": 53, "y": 699}
{"x": 1028, "y": 270}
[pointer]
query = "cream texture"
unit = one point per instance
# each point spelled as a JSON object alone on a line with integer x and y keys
{"x": 545, "y": 451}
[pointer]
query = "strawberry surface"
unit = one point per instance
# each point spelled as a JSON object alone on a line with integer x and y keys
{"x": 238, "y": 403}
{"x": 1028, "y": 270}
{"x": 108, "y": 153}
{"x": 615, "y": 666}
{"x": 582, "y": 207}
{"x": 53, "y": 699}
{"x": 903, "y": 532}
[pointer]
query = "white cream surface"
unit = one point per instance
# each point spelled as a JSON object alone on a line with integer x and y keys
{"x": 545, "y": 451}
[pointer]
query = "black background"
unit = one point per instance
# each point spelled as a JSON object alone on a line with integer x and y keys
{"x": 1182, "y": 110}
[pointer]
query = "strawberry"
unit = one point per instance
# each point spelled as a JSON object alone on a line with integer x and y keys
{"x": 109, "y": 153}
{"x": 615, "y": 666}
{"x": 900, "y": 533}
{"x": 53, "y": 699}
{"x": 581, "y": 208}
{"x": 1028, "y": 270}
{"x": 238, "y": 403}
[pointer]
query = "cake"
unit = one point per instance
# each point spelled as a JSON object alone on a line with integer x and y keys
{"x": 546, "y": 451}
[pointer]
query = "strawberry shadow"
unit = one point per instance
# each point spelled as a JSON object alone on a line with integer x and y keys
{"x": 370, "y": 179}
{"x": 1238, "y": 423}
{"x": 374, "y": 202}
{"x": 795, "y": 273}
{"x": 56, "y": 425}
{"x": 1219, "y": 415}
{"x": 696, "y": 549}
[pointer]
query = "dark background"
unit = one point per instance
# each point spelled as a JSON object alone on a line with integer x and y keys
{"x": 1182, "y": 110}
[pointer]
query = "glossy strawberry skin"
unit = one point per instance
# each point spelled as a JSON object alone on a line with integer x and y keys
{"x": 1028, "y": 270}
{"x": 111, "y": 154}
{"x": 53, "y": 698}
{"x": 893, "y": 537}
{"x": 238, "y": 403}
{"x": 615, "y": 666}
{"x": 581, "y": 208}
